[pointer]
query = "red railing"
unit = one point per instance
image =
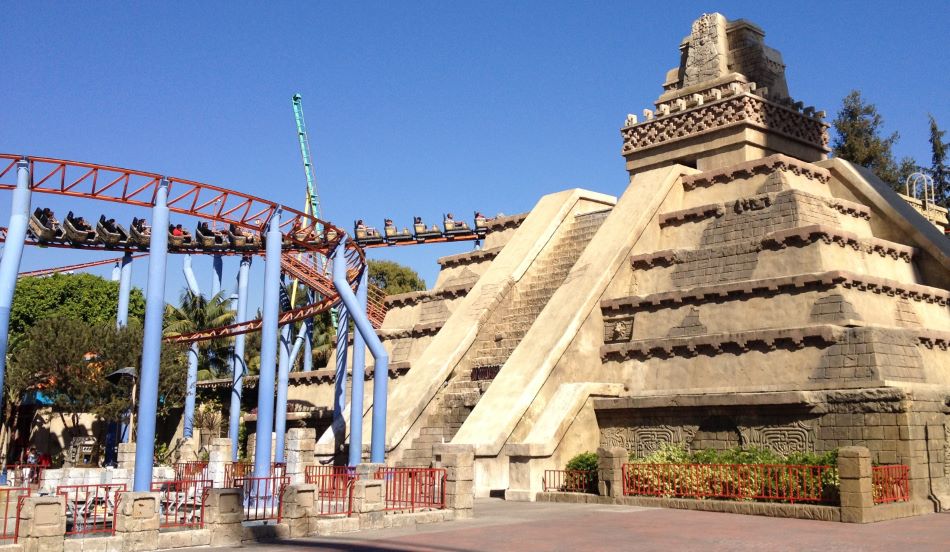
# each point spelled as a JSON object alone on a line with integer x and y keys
{"x": 240, "y": 470}
{"x": 182, "y": 502}
{"x": 334, "y": 493}
{"x": 890, "y": 483}
{"x": 413, "y": 488}
{"x": 11, "y": 500}
{"x": 263, "y": 496}
{"x": 191, "y": 470}
{"x": 90, "y": 509}
{"x": 311, "y": 473}
{"x": 731, "y": 481}
{"x": 24, "y": 475}
{"x": 570, "y": 481}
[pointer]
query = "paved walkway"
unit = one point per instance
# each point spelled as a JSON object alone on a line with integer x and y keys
{"x": 521, "y": 526}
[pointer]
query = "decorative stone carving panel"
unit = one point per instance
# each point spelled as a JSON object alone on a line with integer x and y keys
{"x": 784, "y": 439}
{"x": 618, "y": 330}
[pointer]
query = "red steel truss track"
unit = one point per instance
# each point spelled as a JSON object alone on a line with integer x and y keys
{"x": 303, "y": 233}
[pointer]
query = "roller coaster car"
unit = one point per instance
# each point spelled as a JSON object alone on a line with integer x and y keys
{"x": 78, "y": 230}
{"x": 393, "y": 235}
{"x": 240, "y": 239}
{"x": 455, "y": 227}
{"x": 140, "y": 233}
{"x": 110, "y": 232}
{"x": 46, "y": 229}
{"x": 178, "y": 242}
{"x": 422, "y": 233}
{"x": 366, "y": 235}
{"x": 208, "y": 238}
{"x": 481, "y": 225}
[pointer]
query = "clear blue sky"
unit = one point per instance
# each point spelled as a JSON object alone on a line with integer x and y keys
{"x": 413, "y": 107}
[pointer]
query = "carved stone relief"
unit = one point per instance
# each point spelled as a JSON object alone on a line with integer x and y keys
{"x": 618, "y": 330}
{"x": 784, "y": 439}
{"x": 646, "y": 439}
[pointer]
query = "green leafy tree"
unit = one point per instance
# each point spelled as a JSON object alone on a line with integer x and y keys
{"x": 68, "y": 360}
{"x": 859, "y": 139}
{"x": 394, "y": 278}
{"x": 938, "y": 163}
{"x": 84, "y": 297}
{"x": 195, "y": 313}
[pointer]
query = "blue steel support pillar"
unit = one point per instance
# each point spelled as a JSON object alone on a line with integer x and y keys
{"x": 265, "y": 384}
{"x": 125, "y": 289}
{"x": 217, "y": 266}
{"x": 283, "y": 373}
{"x": 381, "y": 370}
{"x": 308, "y": 347}
{"x": 122, "y": 320}
{"x": 191, "y": 381}
{"x": 12, "y": 253}
{"x": 339, "y": 391}
{"x": 152, "y": 344}
{"x": 298, "y": 344}
{"x": 359, "y": 369}
{"x": 115, "y": 273}
{"x": 238, "y": 364}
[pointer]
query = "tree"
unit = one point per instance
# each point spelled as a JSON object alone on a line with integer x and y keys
{"x": 858, "y": 127}
{"x": 938, "y": 164}
{"x": 84, "y": 297}
{"x": 67, "y": 360}
{"x": 394, "y": 278}
{"x": 195, "y": 313}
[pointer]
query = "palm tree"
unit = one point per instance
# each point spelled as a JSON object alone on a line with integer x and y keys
{"x": 196, "y": 313}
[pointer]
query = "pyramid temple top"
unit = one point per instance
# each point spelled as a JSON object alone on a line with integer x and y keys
{"x": 717, "y": 48}
{"x": 726, "y": 103}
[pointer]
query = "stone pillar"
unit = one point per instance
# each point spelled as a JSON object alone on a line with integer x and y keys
{"x": 224, "y": 512}
{"x": 299, "y": 452}
{"x": 218, "y": 457}
{"x": 43, "y": 524}
{"x": 854, "y": 471}
{"x": 459, "y": 464}
{"x": 186, "y": 451}
{"x": 299, "y": 509}
{"x": 137, "y": 519}
{"x": 610, "y": 463}
{"x": 125, "y": 457}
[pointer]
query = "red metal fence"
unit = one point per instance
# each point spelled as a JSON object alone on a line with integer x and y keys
{"x": 183, "y": 502}
{"x": 11, "y": 499}
{"x": 413, "y": 488}
{"x": 570, "y": 481}
{"x": 735, "y": 481}
{"x": 191, "y": 470}
{"x": 241, "y": 470}
{"x": 334, "y": 493}
{"x": 311, "y": 473}
{"x": 890, "y": 483}
{"x": 90, "y": 509}
{"x": 263, "y": 496}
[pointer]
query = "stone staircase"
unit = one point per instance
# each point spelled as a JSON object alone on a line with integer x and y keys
{"x": 499, "y": 337}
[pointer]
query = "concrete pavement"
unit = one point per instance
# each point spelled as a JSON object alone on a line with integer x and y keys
{"x": 500, "y": 525}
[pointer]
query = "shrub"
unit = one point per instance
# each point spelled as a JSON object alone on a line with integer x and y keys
{"x": 586, "y": 461}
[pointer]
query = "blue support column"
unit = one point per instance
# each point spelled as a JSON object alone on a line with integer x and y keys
{"x": 217, "y": 266}
{"x": 191, "y": 381}
{"x": 339, "y": 391}
{"x": 115, "y": 272}
{"x": 381, "y": 370}
{"x": 298, "y": 344}
{"x": 12, "y": 254}
{"x": 359, "y": 370}
{"x": 265, "y": 384}
{"x": 152, "y": 344}
{"x": 238, "y": 364}
{"x": 125, "y": 289}
{"x": 121, "y": 321}
{"x": 283, "y": 373}
{"x": 308, "y": 347}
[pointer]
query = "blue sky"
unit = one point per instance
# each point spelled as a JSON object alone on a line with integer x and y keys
{"x": 413, "y": 108}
